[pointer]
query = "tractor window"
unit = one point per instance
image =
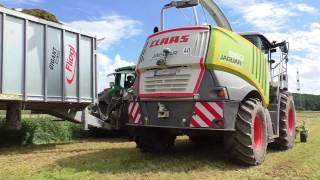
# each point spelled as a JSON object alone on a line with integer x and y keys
{"x": 257, "y": 41}
{"x": 122, "y": 80}
{"x": 117, "y": 80}
{"x": 111, "y": 78}
{"x": 265, "y": 47}
{"x": 129, "y": 80}
{"x": 254, "y": 40}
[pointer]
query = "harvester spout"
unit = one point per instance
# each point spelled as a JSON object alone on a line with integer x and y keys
{"x": 216, "y": 13}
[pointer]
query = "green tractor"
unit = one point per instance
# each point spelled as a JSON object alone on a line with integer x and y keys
{"x": 208, "y": 81}
{"x": 112, "y": 106}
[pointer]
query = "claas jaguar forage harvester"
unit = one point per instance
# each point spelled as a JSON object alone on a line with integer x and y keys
{"x": 206, "y": 81}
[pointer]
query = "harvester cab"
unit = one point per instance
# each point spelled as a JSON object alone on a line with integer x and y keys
{"x": 204, "y": 80}
{"x": 277, "y": 56}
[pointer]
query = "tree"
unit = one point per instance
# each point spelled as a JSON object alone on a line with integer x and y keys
{"x": 307, "y": 102}
{"x": 41, "y": 14}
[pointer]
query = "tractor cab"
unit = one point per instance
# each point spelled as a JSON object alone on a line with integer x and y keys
{"x": 120, "y": 81}
{"x": 112, "y": 101}
{"x": 277, "y": 55}
{"x": 122, "y": 78}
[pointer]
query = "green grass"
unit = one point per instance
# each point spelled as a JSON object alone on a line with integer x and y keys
{"x": 39, "y": 129}
{"x": 120, "y": 159}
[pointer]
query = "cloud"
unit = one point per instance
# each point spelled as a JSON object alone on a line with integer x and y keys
{"x": 309, "y": 76}
{"x": 306, "y": 44}
{"x": 277, "y": 20}
{"x": 112, "y": 28}
{"x": 272, "y": 16}
{"x": 267, "y": 15}
{"x": 305, "y": 8}
{"x": 307, "y": 41}
{"x": 106, "y": 65}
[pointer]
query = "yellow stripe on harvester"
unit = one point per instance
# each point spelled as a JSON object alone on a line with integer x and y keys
{"x": 236, "y": 70}
{"x": 216, "y": 47}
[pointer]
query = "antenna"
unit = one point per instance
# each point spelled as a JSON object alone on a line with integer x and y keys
{"x": 299, "y": 88}
{"x": 298, "y": 82}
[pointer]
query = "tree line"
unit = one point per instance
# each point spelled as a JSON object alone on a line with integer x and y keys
{"x": 40, "y": 13}
{"x": 307, "y": 102}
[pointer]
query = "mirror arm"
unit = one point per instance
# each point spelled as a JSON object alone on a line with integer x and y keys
{"x": 162, "y": 17}
{"x": 180, "y": 4}
{"x": 195, "y": 15}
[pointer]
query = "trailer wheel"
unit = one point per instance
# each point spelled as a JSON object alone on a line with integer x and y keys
{"x": 249, "y": 143}
{"x": 287, "y": 123}
{"x": 154, "y": 141}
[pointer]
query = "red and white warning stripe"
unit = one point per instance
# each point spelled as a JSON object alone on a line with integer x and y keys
{"x": 134, "y": 112}
{"x": 205, "y": 113}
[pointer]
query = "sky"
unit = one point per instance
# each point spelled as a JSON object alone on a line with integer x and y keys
{"x": 125, "y": 25}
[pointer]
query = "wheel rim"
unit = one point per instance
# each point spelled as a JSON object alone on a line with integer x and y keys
{"x": 291, "y": 122}
{"x": 258, "y": 133}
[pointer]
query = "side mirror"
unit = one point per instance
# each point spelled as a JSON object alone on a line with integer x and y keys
{"x": 284, "y": 47}
{"x": 111, "y": 84}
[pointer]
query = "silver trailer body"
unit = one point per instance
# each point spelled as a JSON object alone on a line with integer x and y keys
{"x": 42, "y": 61}
{"x": 46, "y": 67}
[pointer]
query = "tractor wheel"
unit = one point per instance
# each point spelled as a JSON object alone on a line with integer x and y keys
{"x": 103, "y": 107}
{"x": 287, "y": 124}
{"x": 249, "y": 143}
{"x": 154, "y": 141}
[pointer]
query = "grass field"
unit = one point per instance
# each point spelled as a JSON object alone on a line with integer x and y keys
{"x": 120, "y": 159}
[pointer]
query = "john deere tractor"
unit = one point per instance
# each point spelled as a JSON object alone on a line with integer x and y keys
{"x": 203, "y": 80}
{"x": 112, "y": 106}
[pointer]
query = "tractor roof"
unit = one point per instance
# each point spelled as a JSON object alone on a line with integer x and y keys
{"x": 126, "y": 68}
{"x": 263, "y": 38}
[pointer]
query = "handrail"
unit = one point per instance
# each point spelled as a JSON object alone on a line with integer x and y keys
{"x": 213, "y": 9}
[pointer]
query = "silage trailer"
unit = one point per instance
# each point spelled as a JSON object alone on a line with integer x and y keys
{"x": 46, "y": 67}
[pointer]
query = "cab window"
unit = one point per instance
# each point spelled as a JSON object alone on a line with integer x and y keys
{"x": 257, "y": 41}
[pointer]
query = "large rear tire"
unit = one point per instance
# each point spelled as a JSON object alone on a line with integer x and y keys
{"x": 249, "y": 143}
{"x": 287, "y": 123}
{"x": 154, "y": 140}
